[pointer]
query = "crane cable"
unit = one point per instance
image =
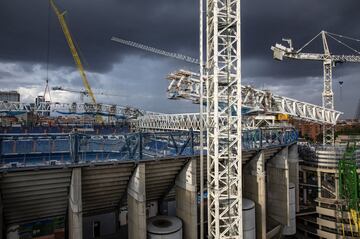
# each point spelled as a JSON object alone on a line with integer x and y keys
{"x": 306, "y": 44}
{"x": 344, "y": 44}
{"x": 333, "y": 36}
{"x": 342, "y": 36}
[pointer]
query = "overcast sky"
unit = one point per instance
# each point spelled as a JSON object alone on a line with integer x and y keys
{"x": 138, "y": 77}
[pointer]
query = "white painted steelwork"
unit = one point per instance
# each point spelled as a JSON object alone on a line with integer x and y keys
{"x": 224, "y": 148}
{"x": 185, "y": 122}
{"x": 156, "y": 50}
{"x": 329, "y": 61}
{"x": 185, "y": 84}
{"x": 68, "y": 108}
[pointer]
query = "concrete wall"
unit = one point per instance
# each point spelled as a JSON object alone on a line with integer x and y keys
{"x": 255, "y": 189}
{"x": 294, "y": 172}
{"x": 277, "y": 170}
{"x": 186, "y": 199}
{"x": 137, "y": 204}
{"x": 107, "y": 224}
{"x": 1, "y": 220}
{"x": 75, "y": 206}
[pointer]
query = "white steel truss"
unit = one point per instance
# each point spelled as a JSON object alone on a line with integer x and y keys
{"x": 185, "y": 122}
{"x": 166, "y": 122}
{"x": 223, "y": 49}
{"x": 186, "y": 85}
{"x": 70, "y": 108}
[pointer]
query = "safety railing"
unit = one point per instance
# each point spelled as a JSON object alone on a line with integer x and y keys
{"x": 22, "y": 150}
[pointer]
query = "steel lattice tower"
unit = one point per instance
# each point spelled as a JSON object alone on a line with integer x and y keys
{"x": 223, "y": 65}
{"x": 327, "y": 95}
{"x": 328, "y": 102}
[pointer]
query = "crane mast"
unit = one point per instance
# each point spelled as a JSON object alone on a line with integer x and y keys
{"x": 73, "y": 50}
{"x": 224, "y": 160}
{"x": 328, "y": 94}
{"x": 329, "y": 61}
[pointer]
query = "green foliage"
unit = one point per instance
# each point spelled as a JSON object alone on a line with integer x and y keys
{"x": 349, "y": 179}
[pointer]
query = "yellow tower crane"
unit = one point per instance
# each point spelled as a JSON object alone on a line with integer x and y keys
{"x": 75, "y": 54}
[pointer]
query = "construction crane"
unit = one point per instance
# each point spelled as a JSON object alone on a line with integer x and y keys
{"x": 74, "y": 53}
{"x": 329, "y": 61}
{"x": 82, "y": 92}
{"x": 156, "y": 51}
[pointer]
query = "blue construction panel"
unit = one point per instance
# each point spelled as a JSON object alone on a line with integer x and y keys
{"x": 106, "y": 131}
{"x": 15, "y": 130}
{"x": 24, "y": 146}
{"x": 54, "y": 130}
{"x": 61, "y": 145}
{"x": 95, "y": 145}
{"x": 8, "y": 146}
{"x": 43, "y": 146}
{"x": 37, "y": 130}
{"x": 111, "y": 145}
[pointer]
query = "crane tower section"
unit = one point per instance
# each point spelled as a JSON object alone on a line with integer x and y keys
{"x": 223, "y": 42}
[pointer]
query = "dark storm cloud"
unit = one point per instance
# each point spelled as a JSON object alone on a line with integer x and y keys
{"x": 165, "y": 24}
{"x": 173, "y": 25}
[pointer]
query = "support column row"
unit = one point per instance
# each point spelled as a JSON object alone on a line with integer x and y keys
{"x": 186, "y": 201}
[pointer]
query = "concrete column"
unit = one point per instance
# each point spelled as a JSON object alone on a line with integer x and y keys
{"x": 277, "y": 170}
{"x": 305, "y": 188}
{"x": 75, "y": 206}
{"x": 1, "y": 219}
{"x": 136, "y": 198}
{"x": 294, "y": 172}
{"x": 255, "y": 189}
{"x": 337, "y": 186}
{"x": 319, "y": 183}
{"x": 186, "y": 199}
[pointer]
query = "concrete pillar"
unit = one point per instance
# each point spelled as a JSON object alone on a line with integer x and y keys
{"x": 305, "y": 188}
{"x": 255, "y": 189}
{"x": 136, "y": 198}
{"x": 277, "y": 170}
{"x": 337, "y": 196}
{"x": 319, "y": 183}
{"x": 75, "y": 206}
{"x": 1, "y": 219}
{"x": 294, "y": 172}
{"x": 186, "y": 199}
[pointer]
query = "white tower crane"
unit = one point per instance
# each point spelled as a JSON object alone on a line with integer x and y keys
{"x": 329, "y": 61}
{"x": 224, "y": 148}
{"x": 224, "y": 159}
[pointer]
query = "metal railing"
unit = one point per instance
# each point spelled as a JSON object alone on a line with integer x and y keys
{"x": 23, "y": 150}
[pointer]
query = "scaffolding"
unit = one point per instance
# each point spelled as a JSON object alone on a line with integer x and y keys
{"x": 349, "y": 192}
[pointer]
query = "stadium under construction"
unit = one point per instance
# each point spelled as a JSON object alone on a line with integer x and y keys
{"x": 239, "y": 168}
